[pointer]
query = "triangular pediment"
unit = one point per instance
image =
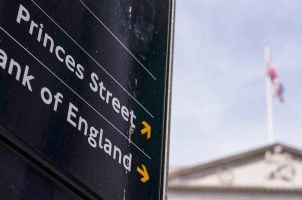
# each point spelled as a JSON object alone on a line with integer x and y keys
{"x": 275, "y": 167}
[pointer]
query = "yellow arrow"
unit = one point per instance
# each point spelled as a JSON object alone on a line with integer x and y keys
{"x": 146, "y": 129}
{"x": 144, "y": 172}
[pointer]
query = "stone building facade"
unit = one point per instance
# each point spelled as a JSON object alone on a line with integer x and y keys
{"x": 272, "y": 172}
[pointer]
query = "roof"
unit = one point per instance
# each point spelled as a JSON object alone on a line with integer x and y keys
{"x": 255, "y": 170}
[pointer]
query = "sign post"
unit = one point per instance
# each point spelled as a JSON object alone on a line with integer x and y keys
{"x": 85, "y": 91}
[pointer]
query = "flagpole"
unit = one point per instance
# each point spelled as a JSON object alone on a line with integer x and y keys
{"x": 269, "y": 108}
{"x": 269, "y": 99}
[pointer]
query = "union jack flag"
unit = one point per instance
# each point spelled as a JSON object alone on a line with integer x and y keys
{"x": 277, "y": 86}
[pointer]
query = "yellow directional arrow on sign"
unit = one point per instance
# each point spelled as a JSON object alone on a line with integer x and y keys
{"x": 144, "y": 172}
{"x": 146, "y": 129}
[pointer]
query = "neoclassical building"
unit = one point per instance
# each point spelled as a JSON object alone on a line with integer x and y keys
{"x": 272, "y": 172}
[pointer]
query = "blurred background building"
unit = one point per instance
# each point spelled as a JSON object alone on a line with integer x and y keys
{"x": 271, "y": 172}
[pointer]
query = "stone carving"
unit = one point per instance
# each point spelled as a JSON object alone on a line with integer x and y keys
{"x": 280, "y": 165}
{"x": 225, "y": 176}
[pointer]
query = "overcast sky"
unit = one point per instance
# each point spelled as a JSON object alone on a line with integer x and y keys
{"x": 219, "y": 105}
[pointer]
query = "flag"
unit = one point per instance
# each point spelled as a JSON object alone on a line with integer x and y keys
{"x": 277, "y": 86}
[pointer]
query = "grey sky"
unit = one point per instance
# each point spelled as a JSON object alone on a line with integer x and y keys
{"x": 219, "y": 105}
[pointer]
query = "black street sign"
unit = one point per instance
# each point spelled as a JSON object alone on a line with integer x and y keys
{"x": 20, "y": 179}
{"x": 84, "y": 90}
